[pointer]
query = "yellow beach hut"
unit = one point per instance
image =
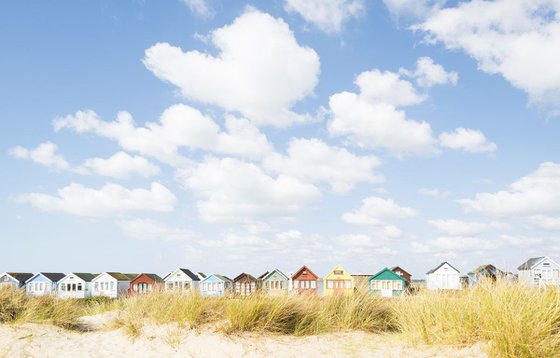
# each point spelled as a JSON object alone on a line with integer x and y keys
{"x": 338, "y": 282}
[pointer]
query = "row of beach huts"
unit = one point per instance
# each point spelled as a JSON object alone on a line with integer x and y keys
{"x": 389, "y": 282}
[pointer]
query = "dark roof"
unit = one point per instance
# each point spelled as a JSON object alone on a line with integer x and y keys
{"x": 153, "y": 276}
{"x": 201, "y": 275}
{"x": 527, "y": 265}
{"x": 262, "y": 276}
{"x": 440, "y": 265}
{"x": 222, "y": 277}
{"x": 303, "y": 268}
{"x": 189, "y": 273}
{"x": 119, "y": 276}
{"x": 87, "y": 277}
{"x": 131, "y": 276}
{"x": 53, "y": 276}
{"x": 20, "y": 276}
{"x": 401, "y": 269}
{"x": 240, "y": 276}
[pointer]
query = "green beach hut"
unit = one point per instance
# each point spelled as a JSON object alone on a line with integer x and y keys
{"x": 386, "y": 283}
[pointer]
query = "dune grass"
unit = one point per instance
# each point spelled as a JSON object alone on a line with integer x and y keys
{"x": 514, "y": 320}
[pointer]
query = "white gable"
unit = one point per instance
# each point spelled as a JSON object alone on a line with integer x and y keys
{"x": 5, "y": 277}
{"x": 178, "y": 275}
{"x": 104, "y": 277}
{"x": 71, "y": 278}
{"x": 546, "y": 262}
{"x": 445, "y": 268}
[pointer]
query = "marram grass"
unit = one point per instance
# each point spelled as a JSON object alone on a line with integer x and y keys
{"x": 514, "y": 320}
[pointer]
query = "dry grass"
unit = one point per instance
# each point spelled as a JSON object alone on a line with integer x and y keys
{"x": 516, "y": 321}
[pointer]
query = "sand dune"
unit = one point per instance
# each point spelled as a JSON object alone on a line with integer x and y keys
{"x": 32, "y": 340}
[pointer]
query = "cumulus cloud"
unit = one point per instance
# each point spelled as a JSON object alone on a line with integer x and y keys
{"x": 535, "y": 194}
{"x": 232, "y": 190}
{"x": 121, "y": 165}
{"x": 375, "y": 211}
{"x": 180, "y": 126}
{"x": 327, "y": 15}
{"x": 467, "y": 244}
{"x": 312, "y": 160}
{"x": 111, "y": 199}
{"x": 435, "y": 193}
{"x": 428, "y": 73}
{"x": 546, "y": 222}
{"x": 468, "y": 140}
{"x": 199, "y": 7}
{"x": 44, "y": 154}
{"x": 370, "y": 119}
{"x": 260, "y": 70}
{"x": 503, "y": 36}
{"x": 149, "y": 230}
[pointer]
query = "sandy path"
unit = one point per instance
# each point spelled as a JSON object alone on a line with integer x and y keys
{"x": 31, "y": 340}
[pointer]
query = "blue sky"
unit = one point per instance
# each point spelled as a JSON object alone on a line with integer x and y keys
{"x": 230, "y": 136}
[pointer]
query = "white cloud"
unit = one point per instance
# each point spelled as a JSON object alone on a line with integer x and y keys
{"x": 179, "y": 126}
{"x": 110, "y": 200}
{"x": 412, "y": 8}
{"x": 146, "y": 229}
{"x": 459, "y": 227}
{"x": 435, "y": 193}
{"x": 327, "y": 15}
{"x": 535, "y": 194}
{"x": 45, "y": 154}
{"x": 199, "y": 7}
{"x": 259, "y": 71}
{"x": 314, "y": 161}
{"x": 232, "y": 190}
{"x": 428, "y": 73}
{"x": 375, "y": 210}
{"x": 121, "y": 165}
{"x": 469, "y": 140}
{"x": 371, "y": 120}
{"x": 455, "y": 244}
{"x": 518, "y": 39}
{"x": 546, "y": 222}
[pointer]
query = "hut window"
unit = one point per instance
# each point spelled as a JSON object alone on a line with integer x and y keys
{"x": 296, "y": 284}
{"x": 63, "y": 287}
{"x": 313, "y": 284}
{"x": 305, "y": 272}
{"x": 135, "y": 287}
{"x": 329, "y": 284}
{"x": 79, "y": 287}
{"x": 112, "y": 286}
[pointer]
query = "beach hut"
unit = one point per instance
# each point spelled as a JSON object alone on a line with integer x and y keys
{"x": 14, "y": 280}
{"x": 338, "y": 282}
{"x": 539, "y": 271}
{"x": 111, "y": 284}
{"x": 183, "y": 280}
{"x": 305, "y": 282}
{"x": 43, "y": 283}
{"x": 443, "y": 277}
{"x": 404, "y": 274}
{"x": 75, "y": 285}
{"x": 387, "y": 283}
{"x": 145, "y": 283}
{"x": 245, "y": 284}
{"x": 215, "y": 285}
{"x": 489, "y": 272}
{"x": 275, "y": 283}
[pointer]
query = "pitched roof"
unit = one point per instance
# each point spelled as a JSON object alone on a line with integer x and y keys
{"x": 262, "y": 276}
{"x": 20, "y": 276}
{"x": 440, "y": 265}
{"x": 118, "y": 276}
{"x": 87, "y": 277}
{"x": 223, "y": 278}
{"x": 189, "y": 273}
{"x": 401, "y": 269}
{"x": 53, "y": 276}
{"x": 240, "y": 276}
{"x": 527, "y": 265}
{"x": 154, "y": 277}
{"x": 303, "y": 268}
{"x": 273, "y": 271}
{"x": 390, "y": 272}
{"x": 201, "y": 275}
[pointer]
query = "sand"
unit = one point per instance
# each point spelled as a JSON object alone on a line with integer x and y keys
{"x": 99, "y": 340}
